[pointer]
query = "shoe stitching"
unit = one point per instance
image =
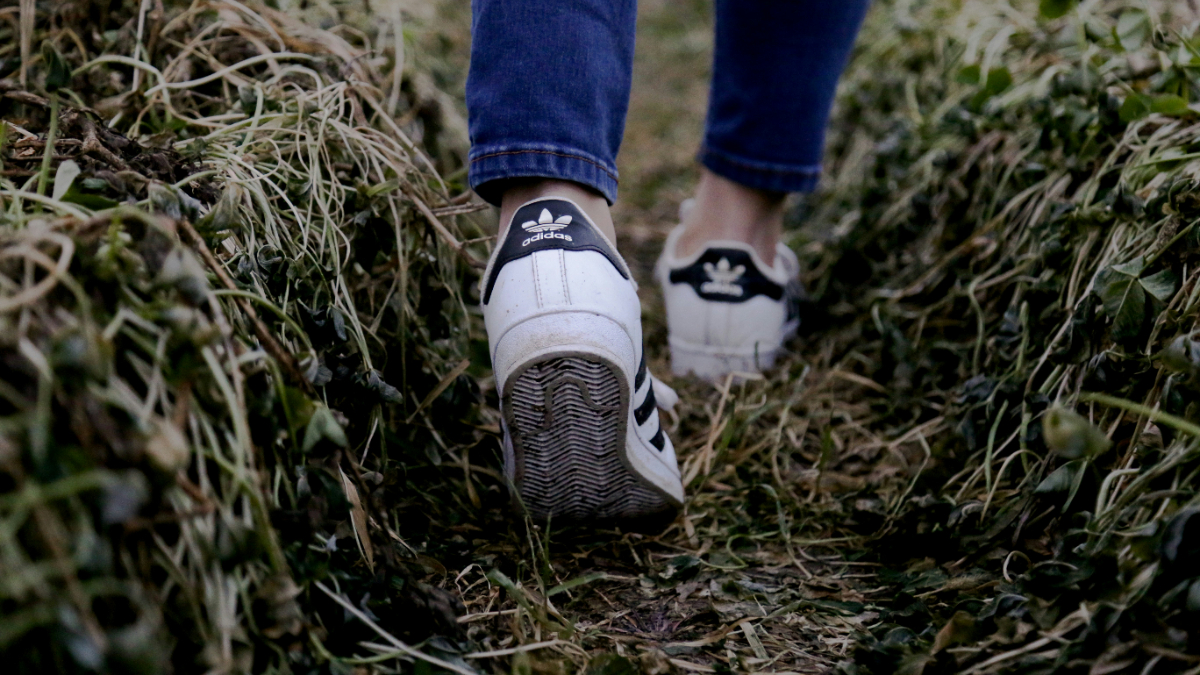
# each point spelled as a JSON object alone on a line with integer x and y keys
{"x": 537, "y": 281}
{"x": 562, "y": 272}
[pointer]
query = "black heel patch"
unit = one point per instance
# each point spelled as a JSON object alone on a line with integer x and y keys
{"x": 726, "y": 275}
{"x": 547, "y": 224}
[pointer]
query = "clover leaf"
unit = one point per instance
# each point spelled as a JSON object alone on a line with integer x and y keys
{"x": 1123, "y": 290}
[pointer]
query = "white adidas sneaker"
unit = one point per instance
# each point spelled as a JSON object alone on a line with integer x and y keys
{"x": 727, "y": 311}
{"x": 582, "y": 436}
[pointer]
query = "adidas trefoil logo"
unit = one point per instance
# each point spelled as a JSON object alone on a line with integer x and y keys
{"x": 546, "y": 227}
{"x": 546, "y": 223}
{"x": 723, "y": 279}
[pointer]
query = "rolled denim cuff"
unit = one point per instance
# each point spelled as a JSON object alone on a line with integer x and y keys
{"x": 492, "y": 166}
{"x": 768, "y": 176}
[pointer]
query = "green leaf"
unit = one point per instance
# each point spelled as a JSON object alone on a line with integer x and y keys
{"x": 58, "y": 73}
{"x": 323, "y": 425}
{"x": 1130, "y": 313}
{"x": 1170, "y": 104}
{"x": 1124, "y": 299}
{"x": 91, "y": 201}
{"x": 224, "y": 215}
{"x": 576, "y": 582}
{"x": 1161, "y": 285}
{"x": 1180, "y": 545}
{"x": 1079, "y": 475}
{"x": 1133, "y": 268}
{"x": 385, "y": 392}
{"x": 1067, "y": 478}
{"x": 1193, "y": 596}
{"x": 381, "y": 188}
{"x": 298, "y": 409}
{"x": 1062, "y": 479}
{"x": 1134, "y": 108}
{"x": 1188, "y": 54}
{"x": 165, "y": 200}
{"x": 1123, "y": 291}
{"x": 998, "y": 79}
{"x": 969, "y": 74}
{"x": 1052, "y": 9}
{"x": 1133, "y": 27}
{"x": 69, "y": 188}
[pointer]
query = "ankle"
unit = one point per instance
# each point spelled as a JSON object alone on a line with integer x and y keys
{"x": 591, "y": 203}
{"x": 725, "y": 210}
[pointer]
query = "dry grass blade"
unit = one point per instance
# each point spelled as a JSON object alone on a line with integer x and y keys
{"x": 158, "y": 439}
{"x": 391, "y": 639}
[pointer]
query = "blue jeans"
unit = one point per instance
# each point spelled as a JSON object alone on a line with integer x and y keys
{"x": 548, "y": 90}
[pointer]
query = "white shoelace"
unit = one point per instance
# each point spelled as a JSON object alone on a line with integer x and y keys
{"x": 664, "y": 395}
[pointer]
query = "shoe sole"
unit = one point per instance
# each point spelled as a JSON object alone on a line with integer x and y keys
{"x": 567, "y": 415}
{"x": 712, "y": 364}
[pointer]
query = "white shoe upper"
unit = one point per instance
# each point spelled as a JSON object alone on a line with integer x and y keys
{"x": 727, "y": 311}
{"x": 556, "y": 285}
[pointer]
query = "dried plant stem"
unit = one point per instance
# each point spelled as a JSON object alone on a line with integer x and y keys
{"x": 397, "y": 643}
{"x": 51, "y": 135}
{"x": 1153, "y": 414}
{"x": 268, "y": 340}
{"x": 28, "y": 19}
{"x": 450, "y": 239}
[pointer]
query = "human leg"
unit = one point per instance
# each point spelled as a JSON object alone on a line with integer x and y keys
{"x": 725, "y": 209}
{"x": 775, "y": 72}
{"x": 730, "y": 288}
{"x": 547, "y": 95}
{"x": 521, "y": 192}
{"x": 547, "y": 92}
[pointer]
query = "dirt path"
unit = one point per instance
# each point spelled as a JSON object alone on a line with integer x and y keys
{"x": 751, "y": 578}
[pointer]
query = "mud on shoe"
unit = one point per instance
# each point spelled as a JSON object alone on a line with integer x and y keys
{"x": 727, "y": 310}
{"x": 582, "y": 435}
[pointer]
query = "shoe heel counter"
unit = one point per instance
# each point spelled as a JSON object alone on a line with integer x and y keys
{"x": 734, "y": 325}
{"x": 547, "y": 225}
{"x": 557, "y": 280}
{"x": 565, "y": 331}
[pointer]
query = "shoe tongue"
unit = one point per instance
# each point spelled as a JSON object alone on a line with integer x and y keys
{"x": 549, "y": 224}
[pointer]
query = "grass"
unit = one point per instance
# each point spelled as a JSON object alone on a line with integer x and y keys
{"x": 295, "y": 245}
{"x": 248, "y": 423}
{"x": 887, "y": 501}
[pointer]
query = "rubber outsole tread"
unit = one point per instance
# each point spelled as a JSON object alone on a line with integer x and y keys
{"x": 568, "y": 417}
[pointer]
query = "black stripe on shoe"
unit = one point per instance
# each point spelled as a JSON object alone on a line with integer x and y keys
{"x": 642, "y": 412}
{"x": 642, "y": 371}
{"x": 659, "y": 440}
{"x": 566, "y": 419}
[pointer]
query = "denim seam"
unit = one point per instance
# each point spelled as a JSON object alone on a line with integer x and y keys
{"x": 545, "y": 152}
{"x": 807, "y": 171}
